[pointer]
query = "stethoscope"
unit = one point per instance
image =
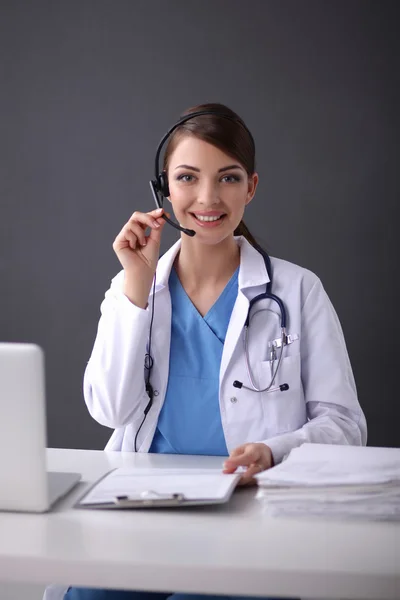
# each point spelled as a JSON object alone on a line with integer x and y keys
{"x": 280, "y": 343}
{"x": 160, "y": 190}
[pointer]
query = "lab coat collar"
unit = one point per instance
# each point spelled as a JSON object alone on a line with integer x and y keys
{"x": 252, "y": 272}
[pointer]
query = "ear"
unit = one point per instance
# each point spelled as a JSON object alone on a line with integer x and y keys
{"x": 252, "y": 186}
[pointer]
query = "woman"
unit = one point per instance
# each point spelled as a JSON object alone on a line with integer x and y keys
{"x": 195, "y": 300}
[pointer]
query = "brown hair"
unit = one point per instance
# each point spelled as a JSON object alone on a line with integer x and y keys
{"x": 230, "y": 136}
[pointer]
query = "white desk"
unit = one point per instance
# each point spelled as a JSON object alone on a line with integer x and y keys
{"x": 231, "y": 549}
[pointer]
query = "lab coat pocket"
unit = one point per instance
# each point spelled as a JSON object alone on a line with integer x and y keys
{"x": 283, "y": 411}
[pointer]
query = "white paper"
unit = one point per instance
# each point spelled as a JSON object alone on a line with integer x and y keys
{"x": 326, "y": 480}
{"x": 137, "y": 483}
{"x": 329, "y": 464}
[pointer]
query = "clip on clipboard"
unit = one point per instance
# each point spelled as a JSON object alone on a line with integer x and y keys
{"x": 150, "y": 498}
{"x": 151, "y": 488}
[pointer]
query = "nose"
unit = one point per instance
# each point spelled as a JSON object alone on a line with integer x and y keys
{"x": 208, "y": 194}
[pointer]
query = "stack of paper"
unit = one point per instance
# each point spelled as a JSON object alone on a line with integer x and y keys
{"x": 331, "y": 480}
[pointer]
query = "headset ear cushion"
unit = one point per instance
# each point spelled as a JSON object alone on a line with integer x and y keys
{"x": 163, "y": 184}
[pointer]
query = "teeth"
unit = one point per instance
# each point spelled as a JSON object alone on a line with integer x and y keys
{"x": 200, "y": 218}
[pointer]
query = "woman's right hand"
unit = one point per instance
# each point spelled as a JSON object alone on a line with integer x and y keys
{"x": 138, "y": 253}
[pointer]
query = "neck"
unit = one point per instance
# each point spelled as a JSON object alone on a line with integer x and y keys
{"x": 200, "y": 265}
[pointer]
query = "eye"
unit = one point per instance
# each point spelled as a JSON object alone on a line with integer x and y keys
{"x": 185, "y": 177}
{"x": 231, "y": 178}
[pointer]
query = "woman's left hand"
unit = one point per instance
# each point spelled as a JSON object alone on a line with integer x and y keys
{"x": 256, "y": 457}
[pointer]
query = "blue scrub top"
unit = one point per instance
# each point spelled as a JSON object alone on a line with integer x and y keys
{"x": 190, "y": 419}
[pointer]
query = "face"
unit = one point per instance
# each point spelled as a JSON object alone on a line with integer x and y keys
{"x": 209, "y": 189}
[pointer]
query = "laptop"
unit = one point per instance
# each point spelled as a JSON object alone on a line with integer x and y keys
{"x": 25, "y": 484}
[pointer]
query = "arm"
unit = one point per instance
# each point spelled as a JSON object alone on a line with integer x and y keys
{"x": 333, "y": 410}
{"x": 114, "y": 385}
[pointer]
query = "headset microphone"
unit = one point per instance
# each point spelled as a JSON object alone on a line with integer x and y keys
{"x": 155, "y": 191}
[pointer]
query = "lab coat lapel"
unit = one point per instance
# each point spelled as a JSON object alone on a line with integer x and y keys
{"x": 234, "y": 331}
{"x": 161, "y": 334}
{"x": 161, "y": 330}
{"x": 253, "y": 277}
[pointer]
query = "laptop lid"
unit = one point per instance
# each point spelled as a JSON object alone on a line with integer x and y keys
{"x": 23, "y": 476}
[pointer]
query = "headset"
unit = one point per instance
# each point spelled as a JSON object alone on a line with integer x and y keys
{"x": 160, "y": 190}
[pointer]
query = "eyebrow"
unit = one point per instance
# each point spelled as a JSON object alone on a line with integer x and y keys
{"x": 219, "y": 170}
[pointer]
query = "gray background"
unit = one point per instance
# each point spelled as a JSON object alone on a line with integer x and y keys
{"x": 87, "y": 90}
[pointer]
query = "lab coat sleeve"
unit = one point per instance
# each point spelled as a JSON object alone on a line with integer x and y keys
{"x": 114, "y": 386}
{"x": 333, "y": 411}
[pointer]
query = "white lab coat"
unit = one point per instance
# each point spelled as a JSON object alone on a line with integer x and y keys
{"x": 320, "y": 406}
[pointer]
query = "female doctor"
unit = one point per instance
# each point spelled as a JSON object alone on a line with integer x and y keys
{"x": 182, "y": 319}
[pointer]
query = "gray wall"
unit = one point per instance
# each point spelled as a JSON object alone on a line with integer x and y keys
{"x": 87, "y": 90}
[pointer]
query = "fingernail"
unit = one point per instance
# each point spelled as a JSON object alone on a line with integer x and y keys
{"x": 155, "y": 224}
{"x": 159, "y": 211}
{"x": 144, "y": 243}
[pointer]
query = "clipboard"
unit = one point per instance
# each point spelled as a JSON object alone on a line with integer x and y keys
{"x": 130, "y": 488}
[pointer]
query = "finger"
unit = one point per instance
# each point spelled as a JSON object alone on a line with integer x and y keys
{"x": 249, "y": 476}
{"x": 134, "y": 232}
{"x": 229, "y": 466}
{"x": 238, "y": 451}
{"x": 145, "y": 220}
{"x": 140, "y": 222}
{"x": 160, "y": 215}
{"x": 246, "y": 480}
{"x": 250, "y": 454}
{"x": 155, "y": 232}
{"x": 131, "y": 233}
{"x": 125, "y": 239}
{"x": 157, "y": 212}
{"x": 133, "y": 240}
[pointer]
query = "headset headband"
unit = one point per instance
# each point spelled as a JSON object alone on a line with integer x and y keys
{"x": 187, "y": 118}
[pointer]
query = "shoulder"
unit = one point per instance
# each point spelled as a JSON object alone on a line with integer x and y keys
{"x": 292, "y": 279}
{"x": 288, "y": 270}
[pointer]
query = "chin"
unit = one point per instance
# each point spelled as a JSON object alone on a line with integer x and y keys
{"x": 212, "y": 238}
